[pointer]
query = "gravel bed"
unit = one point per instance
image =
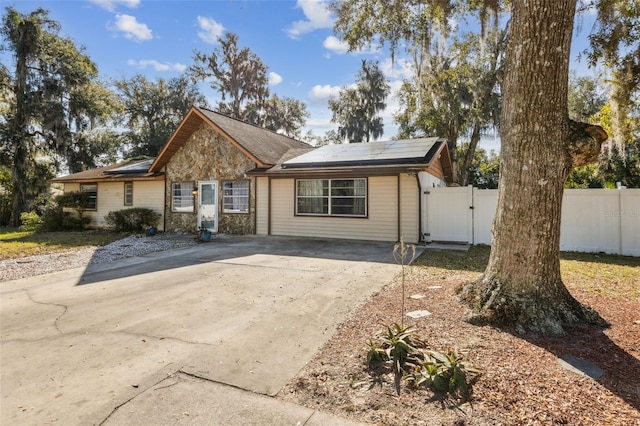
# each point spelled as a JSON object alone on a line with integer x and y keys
{"x": 134, "y": 245}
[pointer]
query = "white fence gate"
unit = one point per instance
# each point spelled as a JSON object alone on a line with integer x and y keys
{"x": 593, "y": 220}
{"x": 449, "y": 214}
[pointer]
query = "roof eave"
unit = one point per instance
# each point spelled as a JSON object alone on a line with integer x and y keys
{"x": 109, "y": 178}
{"x": 369, "y": 170}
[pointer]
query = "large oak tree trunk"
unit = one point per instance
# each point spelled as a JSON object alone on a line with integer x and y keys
{"x": 522, "y": 285}
{"x": 19, "y": 139}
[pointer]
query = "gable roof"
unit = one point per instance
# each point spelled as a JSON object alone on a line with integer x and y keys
{"x": 264, "y": 147}
{"x": 131, "y": 170}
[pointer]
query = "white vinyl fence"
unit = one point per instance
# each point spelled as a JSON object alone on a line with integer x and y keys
{"x": 593, "y": 220}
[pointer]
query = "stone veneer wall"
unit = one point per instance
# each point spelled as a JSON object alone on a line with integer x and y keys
{"x": 207, "y": 156}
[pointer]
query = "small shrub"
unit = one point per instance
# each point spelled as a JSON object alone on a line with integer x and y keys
{"x": 53, "y": 218}
{"x": 30, "y": 221}
{"x": 80, "y": 202}
{"x": 72, "y": 223}
{"x": 132, "y": 220}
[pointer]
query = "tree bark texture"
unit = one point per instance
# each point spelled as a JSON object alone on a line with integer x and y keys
{"x": 463, "y": 177}
{"x": 20, "y": 135}
{"x": 522, "y": 286}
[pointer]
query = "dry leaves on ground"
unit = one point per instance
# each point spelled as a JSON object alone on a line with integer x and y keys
{"x": 522, "y": 383}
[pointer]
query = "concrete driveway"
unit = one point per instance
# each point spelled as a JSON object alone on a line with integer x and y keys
{"x": 179, "y": 336}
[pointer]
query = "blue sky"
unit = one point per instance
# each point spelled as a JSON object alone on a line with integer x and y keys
{"x": 293, "y": 38}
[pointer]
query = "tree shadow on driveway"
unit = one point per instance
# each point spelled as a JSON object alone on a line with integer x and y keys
{"x": 241, "y": 247}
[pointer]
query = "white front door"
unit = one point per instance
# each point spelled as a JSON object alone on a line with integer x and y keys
{"x": 208, "y": 205}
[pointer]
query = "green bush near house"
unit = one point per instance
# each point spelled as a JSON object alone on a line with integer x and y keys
{"x": 80, "y": 202}
{"x": 136, "y": 219}
{"x": 53, "y": 218}
{"x": 30, "y": 221}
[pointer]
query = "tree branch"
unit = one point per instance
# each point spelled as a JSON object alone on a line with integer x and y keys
{"x": 586, "y": 140}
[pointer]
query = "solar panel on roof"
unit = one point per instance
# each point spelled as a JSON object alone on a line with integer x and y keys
{"x": 411, "y": 150}
{"x": 139, "y": 167}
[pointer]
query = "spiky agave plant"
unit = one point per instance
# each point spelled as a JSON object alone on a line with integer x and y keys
{"x": 444, "y": 372}
{"x": 398, "y": 347}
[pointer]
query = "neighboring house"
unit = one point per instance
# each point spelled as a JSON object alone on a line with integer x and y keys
{"x": 118, "y": 187}
{"x": 233, "y": 177}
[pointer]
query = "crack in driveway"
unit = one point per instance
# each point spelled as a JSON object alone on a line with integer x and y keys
{"x": 55, "y": 322}
{"x": 104, "y": 333}
{"x": 141, "y": 391}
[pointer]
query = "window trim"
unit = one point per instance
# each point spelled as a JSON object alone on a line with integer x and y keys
{"x": 229, "y": 211}
{"x": 95, "y": 198}
{"x": 130, "y": 193}
{"x": 188, "y": 196}
{"x": 330, "y": 197}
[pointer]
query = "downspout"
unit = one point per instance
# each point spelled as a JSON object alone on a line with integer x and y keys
{"x": 269, "y": 205}
{"x": 164, "y": 203}
{"x": 420, "y": 237}
{"x": 399, "y": 209}
{"x": 255, "y": 205}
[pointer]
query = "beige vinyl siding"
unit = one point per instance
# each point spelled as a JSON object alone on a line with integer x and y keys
{"x": 262, "y": 206}
{"x": 147, "y": 194}
{"x": 71, "y": 187}
{"x": 380, "y": 225}
{"x": 409, "y": 210}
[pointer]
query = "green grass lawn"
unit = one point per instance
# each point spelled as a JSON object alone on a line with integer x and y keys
{"x": 15, "y": 243}
{"x": 610, "y": 275}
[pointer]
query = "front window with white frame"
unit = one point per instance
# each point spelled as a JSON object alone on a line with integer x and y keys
{"x": 331, "y": 197}
{"x": 235, "y": 196}
{"x": 182, "y": 197}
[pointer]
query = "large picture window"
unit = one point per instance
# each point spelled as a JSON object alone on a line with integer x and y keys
{"x": 331, "y": 197}
{"x": 182, "y": 197}
{"x": 92, "y": 190}
{"x": 235, "y": 196}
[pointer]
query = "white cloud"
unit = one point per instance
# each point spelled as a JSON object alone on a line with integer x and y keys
{"x": 274, "y": 79}
{"x": 317, "y": 14}
{"x": 319, "y": 125}
{"x": 110, "y": 5}
{"x": 398, "y": 69}
{"x": 211, "y": 30}
{"x": 132, "y": 29}
{"x": 323, "y": 92}
{"x": 158, "y": 66}
{"x": 336, "y": 45}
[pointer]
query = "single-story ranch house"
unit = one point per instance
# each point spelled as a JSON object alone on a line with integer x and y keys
{"x": 233, "y": 177}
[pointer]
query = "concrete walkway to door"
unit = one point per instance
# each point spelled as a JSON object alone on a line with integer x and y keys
{"x": 205, "y": 335}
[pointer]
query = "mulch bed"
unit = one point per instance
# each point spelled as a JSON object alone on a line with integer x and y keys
{"x": 521, "y": 383}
